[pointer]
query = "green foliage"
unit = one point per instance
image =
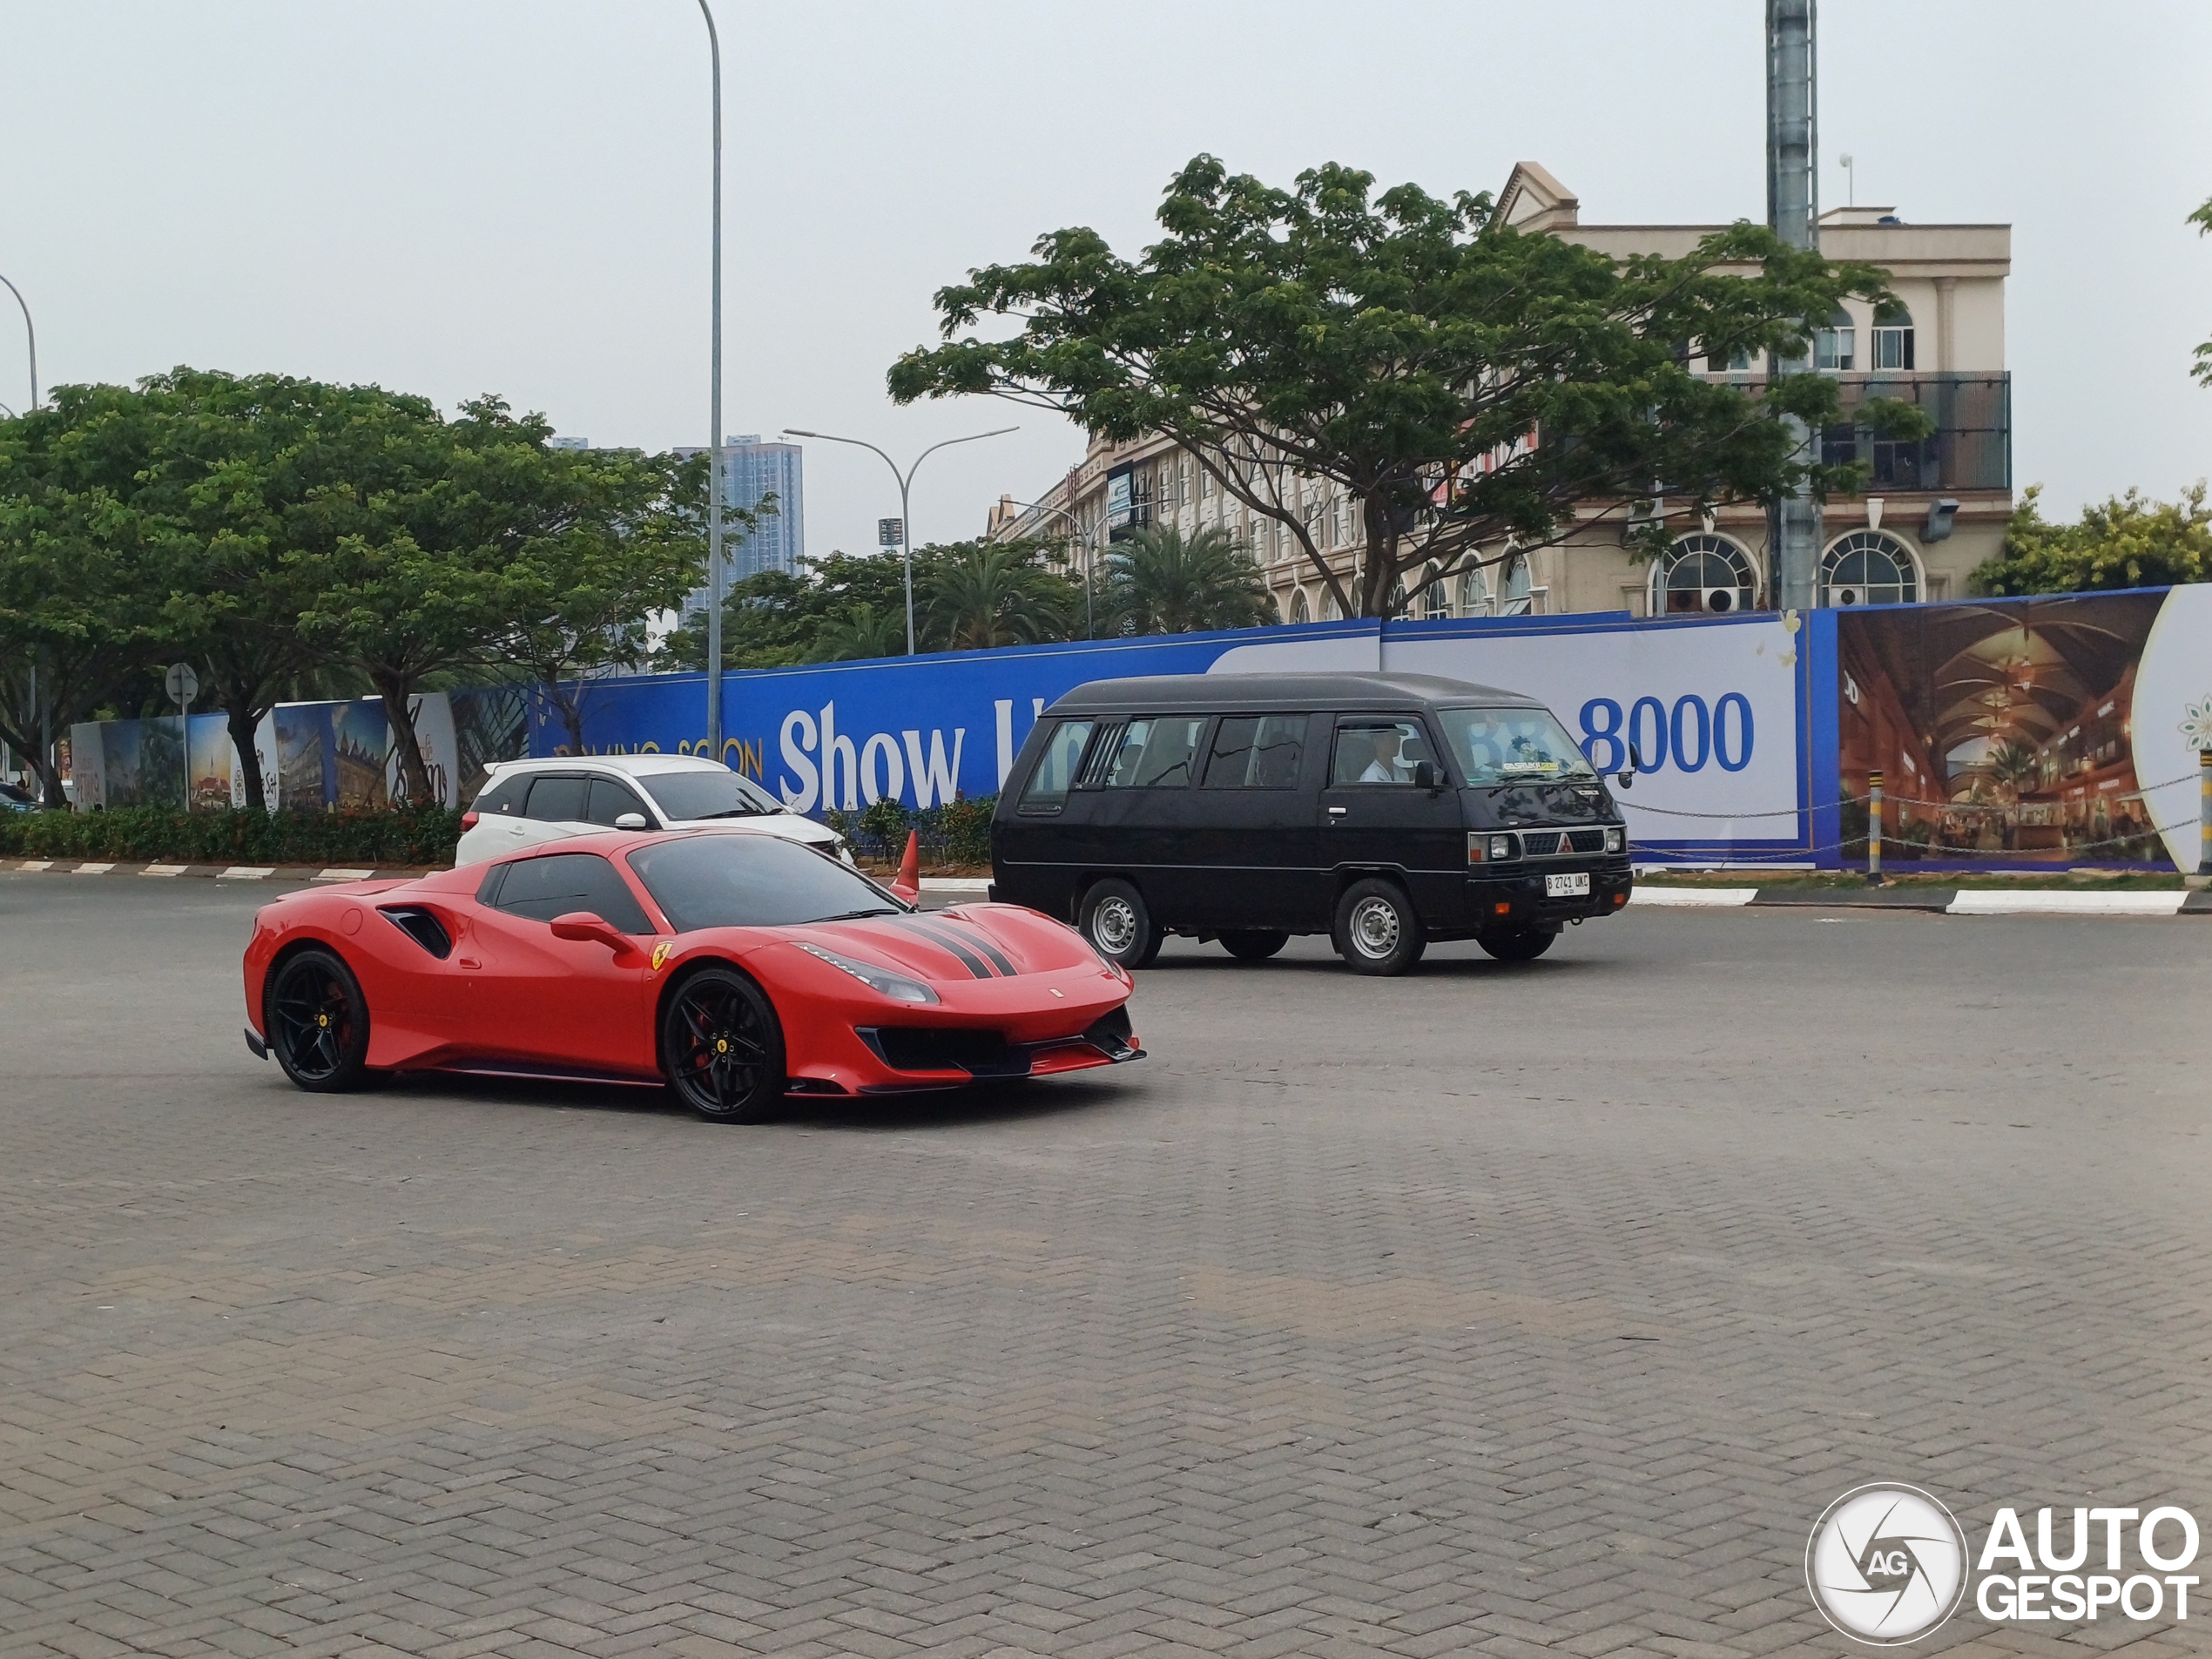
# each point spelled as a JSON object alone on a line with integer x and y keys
{"x": 955, "y": 834}
{"x": 2203, "y": 367}
{"x": 405, "y": 835}
{"x": 2128, "y": 542}
{"x": 996, "y": 593}
{"x": 847, "y": 607}
{"x": 1406, "y": 348}
{"x": 1159, "y": 581}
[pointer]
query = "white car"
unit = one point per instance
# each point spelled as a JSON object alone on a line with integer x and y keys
{"x": 526, "y": 803}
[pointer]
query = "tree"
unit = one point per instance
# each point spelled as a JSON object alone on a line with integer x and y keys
{"x": 2203, "y": 368}
{"x": 1161, "y": 582}
{"x": 1469, "y": 386}
{"x": 232, "y": 465}
{"x": 861, "y": 633}
{"x": 617, "y": 538}
{"x": 996, "y": 593}
{"x": 2128, "y": 542}
{"x": 780, "y": 618}
{"x": 77, "y": 611}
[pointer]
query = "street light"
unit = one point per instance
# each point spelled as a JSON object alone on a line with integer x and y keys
{"x": 906, "y": 483}
{"x": 30, "y": 334}
{"x": 714, "y": 430}
{"x": 1082, "y": 540}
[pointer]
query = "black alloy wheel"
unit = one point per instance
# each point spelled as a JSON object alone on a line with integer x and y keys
{"x": 318, "y": 1022}
{"x": 1253, "y": 945}
{"x": 1119, "y": 925}
{"x": 1517, "y": 944}
{"x": 721, "y": 1048}
{"x": 1376, "y": 930}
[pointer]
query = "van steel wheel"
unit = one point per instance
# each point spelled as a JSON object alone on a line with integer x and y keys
{"x": 1517, "y": 944}
{"x": 1118, "y": 924}
{"x": 1376, "y": 930}
{"x": 721, "y": 1048}
{"x": 1255, "y": 945}
{"x": 318, "y": 1022}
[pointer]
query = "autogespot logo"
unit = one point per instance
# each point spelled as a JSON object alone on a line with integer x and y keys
{"x": 1886, "y": 1564}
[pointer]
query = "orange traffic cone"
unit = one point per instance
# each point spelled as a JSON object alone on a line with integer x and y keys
{"x": 908, "y": 885}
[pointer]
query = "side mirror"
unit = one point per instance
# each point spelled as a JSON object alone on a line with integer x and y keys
{"x": 1425, "y": 775}
{"x": 632, "y": 821}
{"x": 586, "y": 928}
{"x": 1636, "y": 765}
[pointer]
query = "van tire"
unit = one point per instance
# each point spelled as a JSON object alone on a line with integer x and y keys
{"x": 1119, "y": 925}
{"x": 1253, "y": 945}
{"x": 1376, "y": 930}
{"x": 1517, "y": 944}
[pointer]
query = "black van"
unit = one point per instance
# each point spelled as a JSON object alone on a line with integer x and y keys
{"x": 1387, "y": 809}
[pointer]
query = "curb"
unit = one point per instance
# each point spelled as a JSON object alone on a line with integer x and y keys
{"x": 1948, "y": 902}
{"x": 215, "y": 872}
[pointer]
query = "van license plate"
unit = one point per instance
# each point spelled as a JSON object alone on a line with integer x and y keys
{"x": 1567, "y": 887}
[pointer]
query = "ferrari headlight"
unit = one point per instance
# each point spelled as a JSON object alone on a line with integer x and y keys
{"x": 882, "y": 981}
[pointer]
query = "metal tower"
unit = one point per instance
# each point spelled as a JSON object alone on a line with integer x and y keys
{"x": 1793, "y": 213}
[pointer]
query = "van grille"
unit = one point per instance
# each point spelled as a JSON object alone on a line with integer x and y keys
{"x": 1551, "y": 844}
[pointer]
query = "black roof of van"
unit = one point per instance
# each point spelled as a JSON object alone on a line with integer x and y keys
{"x": 1240, "y": 693}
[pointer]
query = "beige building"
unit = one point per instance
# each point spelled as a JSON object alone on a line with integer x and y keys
{"x": 1935, "y": 508}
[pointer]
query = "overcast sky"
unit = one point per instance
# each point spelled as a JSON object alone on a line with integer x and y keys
{"x": 452, "y": 196}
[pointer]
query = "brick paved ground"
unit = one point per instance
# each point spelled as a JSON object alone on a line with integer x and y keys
{"x": 1496, "y": 1312}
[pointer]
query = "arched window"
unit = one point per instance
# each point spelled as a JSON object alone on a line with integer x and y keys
{"x": 1398, "y": 606}
{"x": 1892, "y": 338}
{"x": 1869, "y": 568}
{"x": 1299, "y": 612}
{"x": 1475, "y": 594}
{"x": 1435, "y": 606}
{"x": 1704, "y": 573}
{"x": 1331, "y": 610}
{"x": 1835, "y": 346}
{"x": 1514, "y": 598}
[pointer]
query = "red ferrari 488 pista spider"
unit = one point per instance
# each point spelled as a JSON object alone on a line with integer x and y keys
{"x": 739, "y": 968}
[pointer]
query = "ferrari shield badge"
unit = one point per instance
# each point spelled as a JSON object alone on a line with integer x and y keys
{"x": 660, "y": 953}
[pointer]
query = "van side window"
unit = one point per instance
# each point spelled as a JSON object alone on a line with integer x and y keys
{"x": 1257, "y": 752}
{"x": 1156, "y": 754}
{"x": 1047, "y": 790}
{"x": 1378, "y": 752}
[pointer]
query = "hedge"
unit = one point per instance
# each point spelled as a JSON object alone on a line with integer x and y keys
{"x": 406, "y": 835}
{"x": 958, "y": 833}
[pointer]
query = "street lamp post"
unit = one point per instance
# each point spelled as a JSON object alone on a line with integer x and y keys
{"x": 906, "y": 484}
{"x": 714, "y": 429}
{"x": 30, "y": 335}
{"x": 1083, "y": 541}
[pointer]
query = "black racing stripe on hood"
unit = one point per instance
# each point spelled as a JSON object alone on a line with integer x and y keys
{"x": 977, "y": 939}
{"x": 951, "y": 944}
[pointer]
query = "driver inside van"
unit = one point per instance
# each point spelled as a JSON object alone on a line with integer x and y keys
{"x": 1386, "y": 767}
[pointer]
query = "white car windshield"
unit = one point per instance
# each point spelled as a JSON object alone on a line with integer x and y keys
{"x": 685, "y": 796}
{"x": 1513, "y": 746}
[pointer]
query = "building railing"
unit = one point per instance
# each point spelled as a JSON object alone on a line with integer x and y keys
{"x": 1970, "y": 448}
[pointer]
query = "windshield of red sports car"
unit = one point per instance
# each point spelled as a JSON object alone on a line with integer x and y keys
{"x": 684, "y": 796}
{"x": 753, "y": 881}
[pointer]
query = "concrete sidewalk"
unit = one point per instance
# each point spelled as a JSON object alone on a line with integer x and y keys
{"x": 1950, "y": 902}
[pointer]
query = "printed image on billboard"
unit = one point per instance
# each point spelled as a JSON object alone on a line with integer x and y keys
{"x": 490, "y": 723}
{"x": 360, "y": 742}
{"x": 209, "y": 751}
{"x": 2004, "y": 732}
{"x": 303, "y": 740}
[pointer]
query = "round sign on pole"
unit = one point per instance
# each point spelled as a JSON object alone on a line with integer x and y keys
{"x": 184, "y": 684}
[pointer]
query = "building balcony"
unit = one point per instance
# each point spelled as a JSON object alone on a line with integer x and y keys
{"x": 1970, "y": 449}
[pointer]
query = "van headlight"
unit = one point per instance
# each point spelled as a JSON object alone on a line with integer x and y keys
{"x": 882, "y": 981}
{"x": 1616, "y": 840}
{"x": 1486, "y": 848}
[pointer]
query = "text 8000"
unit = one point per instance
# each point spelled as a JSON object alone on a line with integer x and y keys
{"x": 1691, "y": 734}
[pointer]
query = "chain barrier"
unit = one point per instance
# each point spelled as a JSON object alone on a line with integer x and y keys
{"x": 1860, "y": 800}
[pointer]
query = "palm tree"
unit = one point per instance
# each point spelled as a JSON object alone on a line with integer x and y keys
{"x": 860, "y": 632}
{"x": 985, "y": 595}
{"x": 2016, "y": 764}
{"x": 1161, "y": 582}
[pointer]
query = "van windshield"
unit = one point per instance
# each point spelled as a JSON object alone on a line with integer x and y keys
{"x": 1513, "y": 746}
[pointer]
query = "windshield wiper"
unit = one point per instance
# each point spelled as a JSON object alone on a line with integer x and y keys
{"x": 858, "y": 915}
{"x": 727, "y": 811}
